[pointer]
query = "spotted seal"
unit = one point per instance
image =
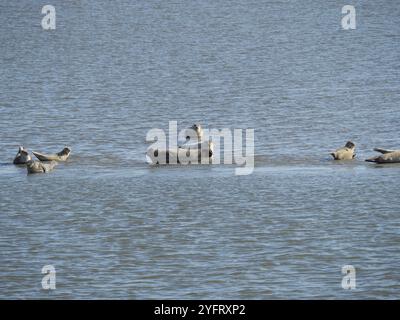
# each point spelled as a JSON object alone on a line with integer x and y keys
{"x": 40, "y": 167}
{"x": 22, "y": 156}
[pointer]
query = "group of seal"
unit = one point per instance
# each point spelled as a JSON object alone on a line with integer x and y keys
{"x": 187, "y": 152}
{"x": 46, "y": 162}
{"x": 348, "y": 153}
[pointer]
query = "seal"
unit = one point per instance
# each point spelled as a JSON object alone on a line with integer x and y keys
{"x": 60, "y": 156}
{"x": 345, "y": 153}
{"x": 388, "y": 156}
{"x": 22, "y": 156}
{"x": 198, "y": 131}
{"x": 40, "y": 167}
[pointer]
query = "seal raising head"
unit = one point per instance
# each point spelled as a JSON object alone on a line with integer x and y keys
{"x": 40, "y": 167}
{"x": 22, "y": 156}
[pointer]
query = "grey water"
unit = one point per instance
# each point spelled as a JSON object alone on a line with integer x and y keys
{"x": 114, "y": 227}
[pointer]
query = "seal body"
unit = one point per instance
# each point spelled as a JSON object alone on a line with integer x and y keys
{"x": 40, "y": 167}
{"x": 60, "y": 156}
{"x": 200, "y": 153}
{"x": 388, "y": 156}
{"x": 345, "y": 153}
{"x": 22, "y": 156}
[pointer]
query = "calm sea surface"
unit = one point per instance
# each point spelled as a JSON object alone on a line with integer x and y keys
{"x": 113, "y": 227}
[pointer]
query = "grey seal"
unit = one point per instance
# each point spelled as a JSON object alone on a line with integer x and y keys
{"x": 181, "y": 155}
{"x": 60, "y": 156}
{"x": 22, "y": 156}
{"x": 345, "y": 153}
{"x": 388, "y": 156}
{"x": 40, "y": 167}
